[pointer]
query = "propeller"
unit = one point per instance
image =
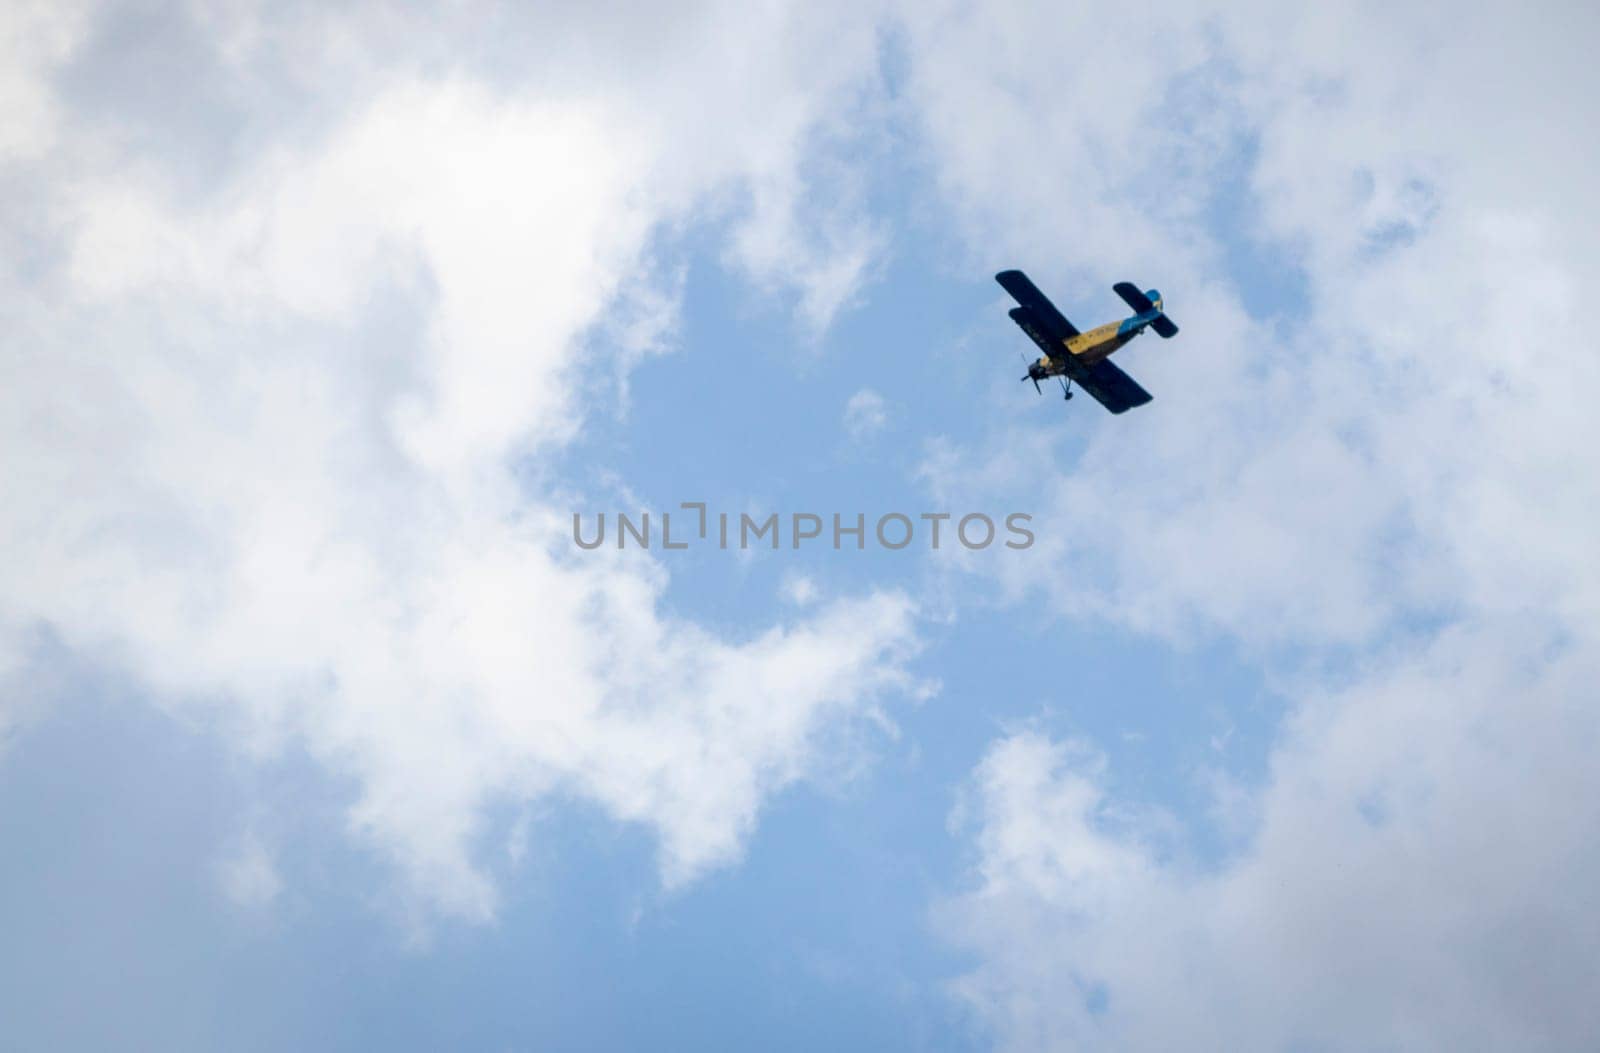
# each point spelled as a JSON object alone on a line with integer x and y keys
{"x": 1031, "y": 374}
{"x": 1035, "y": 373}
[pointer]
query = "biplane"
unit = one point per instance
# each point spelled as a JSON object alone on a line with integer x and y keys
{"x": 1083, "y": 358}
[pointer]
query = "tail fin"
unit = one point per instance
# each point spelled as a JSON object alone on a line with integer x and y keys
{"x": 1163, "y": 324}
{"x": 1144, "y": 303}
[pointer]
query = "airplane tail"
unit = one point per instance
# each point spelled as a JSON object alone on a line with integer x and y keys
{"x": 1144, "y": 303}
{"x": 1162, "y": 324}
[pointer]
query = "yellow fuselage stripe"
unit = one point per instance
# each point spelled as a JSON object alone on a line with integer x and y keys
{"x": 1094, "y": 345}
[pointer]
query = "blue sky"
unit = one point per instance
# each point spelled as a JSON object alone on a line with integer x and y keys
{"x": 317, "y": 730}
{"x": 821, "y": 936}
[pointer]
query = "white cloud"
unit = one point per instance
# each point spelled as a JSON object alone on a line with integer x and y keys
{"x": 1414, "y": 879}
{"x": 799, "y": 590}
{"x": 34, "y": 38}
{"x": 258, "y": 435}
{"x": 249, "y": 874}
{"x": 865, "y": 414}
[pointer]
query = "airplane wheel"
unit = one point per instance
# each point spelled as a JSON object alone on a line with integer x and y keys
{"x": 1069, "y": 394}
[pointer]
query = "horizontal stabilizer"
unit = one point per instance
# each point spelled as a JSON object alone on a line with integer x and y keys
{"x": 1134, "y": 298}
{"x": 1145, "y": 303}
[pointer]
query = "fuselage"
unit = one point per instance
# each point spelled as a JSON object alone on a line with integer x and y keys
{"x": 1098, "y": 343}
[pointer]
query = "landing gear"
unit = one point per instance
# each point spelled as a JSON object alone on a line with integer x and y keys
{"x": 1066, "y": 389}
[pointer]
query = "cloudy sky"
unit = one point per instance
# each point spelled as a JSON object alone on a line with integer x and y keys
{"x": 320, "y": 322}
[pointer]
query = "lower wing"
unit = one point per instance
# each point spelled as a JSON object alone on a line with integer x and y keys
{"x": 1110, "y": 386}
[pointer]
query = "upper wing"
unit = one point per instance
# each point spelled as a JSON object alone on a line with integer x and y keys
{"x": 1135, "y": 299}
{"x": 1110, "y": 386}
{"x": 1053, "y": 322}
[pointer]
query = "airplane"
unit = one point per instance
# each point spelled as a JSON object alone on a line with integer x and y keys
{"x": 1082, "y": 357}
